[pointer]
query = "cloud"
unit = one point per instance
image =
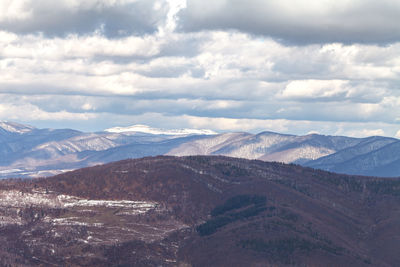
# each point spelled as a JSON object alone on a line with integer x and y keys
{"x": 366, "y": 132}
{"x": 11, "y": 10}
{"x": 228, "y": 75}
{"x": 169, "y": 70}
{"x": 315, "y": 89}
{"x": 397, "y": 134}
{"x": 113, "y": 18}
{"x": 334, "y": 90}
{"x": 29, "y": 112}
{"x": 299, "y": 22}
{"x": 229, "y": 124}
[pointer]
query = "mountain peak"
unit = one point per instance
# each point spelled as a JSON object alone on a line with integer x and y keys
{"x": 14, "y": 127}
{"x": 149, "y": 130}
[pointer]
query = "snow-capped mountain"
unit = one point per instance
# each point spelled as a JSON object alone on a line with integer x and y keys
{"x": 267, "y": 146}
{"x": 140, "y": 128}
{"x": 12, "y": 127}
{"x": 26, "y": 151}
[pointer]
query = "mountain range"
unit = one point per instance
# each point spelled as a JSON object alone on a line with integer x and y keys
{"x": 26, "y": 151}
{"x": 200, "y": 211}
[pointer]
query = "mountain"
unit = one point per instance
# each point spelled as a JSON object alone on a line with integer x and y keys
{"x": 267, "y": 146}
{"x": 26, "y": 151}
{"x": 200, "y": 211}
{"x": 12, "y": 127}
{"x": 374, "y": 156}
{"x": 30, "y": 152}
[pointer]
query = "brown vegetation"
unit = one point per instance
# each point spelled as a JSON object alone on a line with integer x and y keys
{"x": 211, "y": 211}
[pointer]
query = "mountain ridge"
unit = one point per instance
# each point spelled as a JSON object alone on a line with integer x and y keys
{"x": 27, "y": 151}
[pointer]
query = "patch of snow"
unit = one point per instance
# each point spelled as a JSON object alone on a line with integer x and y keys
{"x": 156, "y": 131}
{"x": 77, "y": 144}
{"x": 299, "y": 153}
{"x": 13, "y": 127}
{"x": 17, "y": 199}
{"x": 10, "y": 220}
{"x": 140, "y": 206}
{"x": 207, "y": 145}
{"x": 71, "y": 221}
{"x": 13, "y": 198}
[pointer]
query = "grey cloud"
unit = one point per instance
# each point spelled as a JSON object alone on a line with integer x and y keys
{"x": 299, "y": 22}
{"x": 56, "y": 18}
{"x": 187, "y": 45}
{"x": 133, "y": 106}
{"x": 263, "y": 108}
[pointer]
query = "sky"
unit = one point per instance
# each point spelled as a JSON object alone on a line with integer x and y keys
{"x": 290, "y": 66}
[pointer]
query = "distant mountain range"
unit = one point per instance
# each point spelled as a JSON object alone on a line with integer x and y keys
{"x": 26, "y": 151}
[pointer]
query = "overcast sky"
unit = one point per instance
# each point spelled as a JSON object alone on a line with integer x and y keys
{"x": 291, "y": 66}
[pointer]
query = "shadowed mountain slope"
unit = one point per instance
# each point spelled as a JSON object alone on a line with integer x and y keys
{"x": 383, "y": 160}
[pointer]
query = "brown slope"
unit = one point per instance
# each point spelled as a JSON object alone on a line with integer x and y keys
{"x": 310, "y": 217}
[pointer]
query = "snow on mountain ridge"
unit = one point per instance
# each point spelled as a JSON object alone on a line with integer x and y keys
{"x": 147, "y": 129}
{"x": 27, "y": 151}
{"x": 78, "y": 144}
{"x": 207, "y": 145}
{"x": 13, "y": 127}
{"x": 298, "y": 154}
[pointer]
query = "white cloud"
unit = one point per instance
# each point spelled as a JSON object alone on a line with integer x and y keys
{"x": 315, "y": 89}
{"x": 229, "y": 124}
{"x": 28, "y": 112}
{"x": 74, "y": 46}
{"x": 366, "y": 132}
{"x": 14, "y": 10}
{"x": 170, "y": 23}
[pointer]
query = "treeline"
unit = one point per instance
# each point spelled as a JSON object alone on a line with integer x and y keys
{"x": 237, "y": 202}
{"x": 234, "y": 209}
